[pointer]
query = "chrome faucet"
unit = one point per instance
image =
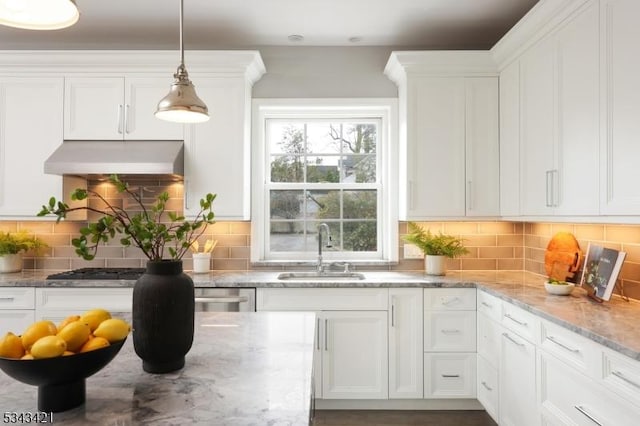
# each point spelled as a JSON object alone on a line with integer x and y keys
{"x": 320, "y": 265}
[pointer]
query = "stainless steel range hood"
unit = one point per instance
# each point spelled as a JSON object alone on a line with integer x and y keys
{"x": 87, "y": 158}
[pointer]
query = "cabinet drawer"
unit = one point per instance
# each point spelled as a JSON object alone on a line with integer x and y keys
{"x": 15, "y": 321}
{"x": 450, "y": 375}
{"x": 322, "y": 299}
{"x": 17, "y": 298}
{"x": 489, "y": 305}
{"x": 622, "y": 375}
{"x": 487, "y": 387}
{"x": 521, "y": 322}
{"x": 77, "y": 300}
{"x": 489, "y": 333}
{"x": 579, "y": 352}
{"x": 438, "y": 299}
{"x": 450, "y": 331}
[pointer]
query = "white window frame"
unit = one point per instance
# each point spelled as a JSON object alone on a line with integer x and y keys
{"x": 383, "y": 109}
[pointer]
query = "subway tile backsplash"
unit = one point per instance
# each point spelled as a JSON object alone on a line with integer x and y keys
{"x": 493, "y": 245}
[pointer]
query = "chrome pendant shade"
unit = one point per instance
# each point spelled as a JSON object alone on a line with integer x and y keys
{"x": 38, "y": 14}
{"x": 182, "y": 105}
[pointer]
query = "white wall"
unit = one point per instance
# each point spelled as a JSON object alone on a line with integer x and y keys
{"x": 325, "y": 72}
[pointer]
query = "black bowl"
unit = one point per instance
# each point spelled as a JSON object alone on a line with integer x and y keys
{"x": 60, "y": 380}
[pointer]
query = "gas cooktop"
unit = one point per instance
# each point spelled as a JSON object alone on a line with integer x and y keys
{"x": 99, "y": 274}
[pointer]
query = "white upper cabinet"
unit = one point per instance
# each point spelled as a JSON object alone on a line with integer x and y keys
{"x": 482, "y": 146}
{"x": 30, "y": 129}
{"x": 559, "y": 128}
{"x": 117, "y": 108}
{"x": 217, "y": 152}
{"x": 620, "y": 148}
{"x": 510, "y": 140}
{"x": 449, "y": 159}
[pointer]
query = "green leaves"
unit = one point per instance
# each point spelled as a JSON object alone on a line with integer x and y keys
{"x": 152, "y": 229}
{"x": 434, "y": 245}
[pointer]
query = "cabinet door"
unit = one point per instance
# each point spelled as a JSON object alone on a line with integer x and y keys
{"x": 482, "y": 147}
{"x": 141, "y": 100}
{"x": 217, "y": 152}
{"x": 30, "y": 130}
{"x": 537, "y": 129}
{"x": 436, "y": 147}
{"x": 488, "y": 387}
{"x": 15, "y": 320}
{"x": 489, "y": 336}
{"x": 620, "y": 150}
{"x": 576, "y": 176}
{"x": 354, "y": 359}
{"x": 94, "y": 108}
{"x": 518, "y": 405}
{"x": 510, "y": 140}
{"x": 405, "y": 343}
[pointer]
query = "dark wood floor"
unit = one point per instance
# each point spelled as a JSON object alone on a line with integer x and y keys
{"x": 402, "y": 418}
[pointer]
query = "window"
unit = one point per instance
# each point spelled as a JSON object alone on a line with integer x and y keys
{"x": 322, "y": 162}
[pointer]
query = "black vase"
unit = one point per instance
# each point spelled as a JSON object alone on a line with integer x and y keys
{"x": 163, "y": 307}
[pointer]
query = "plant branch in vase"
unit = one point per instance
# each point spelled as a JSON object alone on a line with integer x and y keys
{"x": 164, "y": 287}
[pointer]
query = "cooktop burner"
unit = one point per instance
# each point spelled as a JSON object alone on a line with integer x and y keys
{"x": 99, "y": 274}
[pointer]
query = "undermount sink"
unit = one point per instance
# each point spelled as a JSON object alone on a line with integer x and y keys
{"x": 321, "y": 276}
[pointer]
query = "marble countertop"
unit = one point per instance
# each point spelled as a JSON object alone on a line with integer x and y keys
{"x": 243, "y": 369}
{"x": 612, "y": 324}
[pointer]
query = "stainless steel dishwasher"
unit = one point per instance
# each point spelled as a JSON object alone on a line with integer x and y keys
{"x": 225, "y": 299}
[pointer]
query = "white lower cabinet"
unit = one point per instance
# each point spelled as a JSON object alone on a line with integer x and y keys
{"x": 488, "y": 387}
{"x": 16, "y": 309}
{"x": 56, "y": 304}
{"x": 405, "y": 343}
{"x": 518, "y": 405}
{"x": 354, "y": 354}
{"x": 351, "y": 358}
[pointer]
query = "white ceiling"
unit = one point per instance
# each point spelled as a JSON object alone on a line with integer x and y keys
{"x": 230, "y": 24}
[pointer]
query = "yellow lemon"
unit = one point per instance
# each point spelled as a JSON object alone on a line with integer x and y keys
{"x": 36, "y": 331}
{"x": 95, "y": 343}
{"x": 75, "y": 334}
{"x": 48, "y": 347}
{"x": 113, "y": 330}
{"x": 27, "y": 356}
{"x": 11, "y": 346}
{"x": 94, "y": 317}
{"x": 67, "y": 320}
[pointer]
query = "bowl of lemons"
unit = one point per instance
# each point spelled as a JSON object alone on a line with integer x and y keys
{"x": 558, "y": 287}
{"x": 58, "y": 358}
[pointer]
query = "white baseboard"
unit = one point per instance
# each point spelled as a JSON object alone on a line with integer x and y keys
{"x": 398, "y": 404}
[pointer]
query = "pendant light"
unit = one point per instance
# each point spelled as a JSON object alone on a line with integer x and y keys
{"x": 182, "y": 105}
{"x": 38, "y": 14}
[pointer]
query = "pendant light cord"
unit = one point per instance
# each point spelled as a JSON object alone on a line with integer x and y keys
{"x": 181, "y": 33}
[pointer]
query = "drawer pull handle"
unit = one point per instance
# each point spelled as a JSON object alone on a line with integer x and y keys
{"x": 487, "y": 387}
{"x": 487, "y": 305}
{"x": 450, "y": 331}
{"x": 522, "y": 323}
{"x": 318, "y": 334}
{"x": 512, "y": 339}
{"x": 621, "y": 376}
{"x": 450, "y": 376}
{"x": 562, "y": 345}
{"x": 581, "y": 409}
{"x": 8, "y": 299}
{"x": 450, "y": 301}
{"x": 326, "y": 332}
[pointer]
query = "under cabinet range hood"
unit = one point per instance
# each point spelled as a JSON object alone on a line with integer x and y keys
{"x": 88, "y": 158}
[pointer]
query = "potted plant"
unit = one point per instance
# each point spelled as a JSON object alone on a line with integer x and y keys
{"x": 13, "y": 246}
{"x": 163, "y": 297}
{"x": 436, "y": 248}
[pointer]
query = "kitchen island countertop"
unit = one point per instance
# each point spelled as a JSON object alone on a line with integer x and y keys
{"x": 243, "y": 369}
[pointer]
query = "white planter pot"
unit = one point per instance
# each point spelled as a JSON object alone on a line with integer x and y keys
{"x": 435, "y": 265}
{"x": 10, "y": 263}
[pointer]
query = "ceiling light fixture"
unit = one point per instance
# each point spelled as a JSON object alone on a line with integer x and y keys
{"x": 182, "y": 105}
{"x": 38, "y": 14}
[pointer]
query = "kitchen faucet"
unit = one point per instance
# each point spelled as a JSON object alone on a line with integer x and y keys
{"x": 320, "y": 265}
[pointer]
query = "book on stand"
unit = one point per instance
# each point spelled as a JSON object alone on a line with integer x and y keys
{"x": 601, "y": 269}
